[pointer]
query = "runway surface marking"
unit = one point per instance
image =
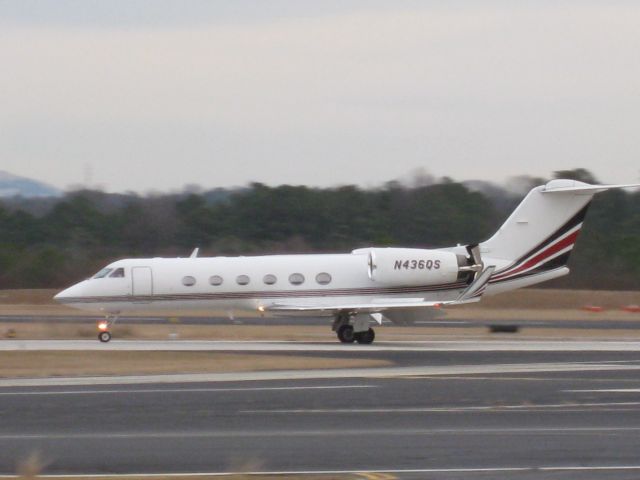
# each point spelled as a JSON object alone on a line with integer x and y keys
{"x": 607, "y": 390}
{"x": 547, "y": 468}
{"x": 185, "y": 390}
{"x": 519, "y": 344}
{"x": 321, "y": 433}
{"x": 479, "y": 378}
{"x": 382, "y": 372}
{"x": 473, "y": 408}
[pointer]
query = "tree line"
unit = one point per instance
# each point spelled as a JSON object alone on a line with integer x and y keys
{"x": 50, "y": 243}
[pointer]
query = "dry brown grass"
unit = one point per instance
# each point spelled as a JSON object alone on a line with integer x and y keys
{"x": 217, "y": 477}
{"x": 92, "y": 363}
{"x": 28, "y": 297}
{"x": 51, "y": 330}
{"x": 471, "y": 313}
{"x": 541, "y": 299}
{"x": 301, "y": 333}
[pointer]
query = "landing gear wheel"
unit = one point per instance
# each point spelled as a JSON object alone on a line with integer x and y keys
{"x": 366, "y": 338}
{"x": 104, "y": 336}
{"x": 345, "y": 334}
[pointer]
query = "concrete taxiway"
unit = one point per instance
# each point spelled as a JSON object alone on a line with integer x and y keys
{"x": 453, "y": 410}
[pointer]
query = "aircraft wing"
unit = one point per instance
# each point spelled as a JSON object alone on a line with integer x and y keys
{"x": 371, "y": 307}
{"x": 473, "y": 293}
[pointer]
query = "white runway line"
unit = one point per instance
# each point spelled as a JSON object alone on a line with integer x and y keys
{"x": 453, "y": 409}
{"x": 271, "y": 433}
{"x": 287, "y": 375}
{"x": 520, "y": 345}
{"x": 607, "y": 390}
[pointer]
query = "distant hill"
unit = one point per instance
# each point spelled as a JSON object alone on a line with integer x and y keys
{"x": 13, "y": 185}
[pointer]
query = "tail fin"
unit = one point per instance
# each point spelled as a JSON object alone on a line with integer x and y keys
{"x": 542, "y": 230}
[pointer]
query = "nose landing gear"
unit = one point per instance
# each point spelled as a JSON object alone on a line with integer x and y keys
{"x": 104, "y": 335}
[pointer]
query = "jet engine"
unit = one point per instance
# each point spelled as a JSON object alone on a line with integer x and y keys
{"x": 417, "y": 267}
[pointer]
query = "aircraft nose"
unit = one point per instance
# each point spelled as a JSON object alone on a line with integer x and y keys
{"x": 60, "y": 297}
{"x": 67, "y": 295}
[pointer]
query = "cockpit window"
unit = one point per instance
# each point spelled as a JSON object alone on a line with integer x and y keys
{"x": 117, "y": 273}
{"x": 103, "y": 273}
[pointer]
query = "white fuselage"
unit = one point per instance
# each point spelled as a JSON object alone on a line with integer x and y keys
{"x": 220, "y": 283}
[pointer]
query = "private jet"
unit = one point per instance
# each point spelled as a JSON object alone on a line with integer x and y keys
{"x": 356, "y": 289}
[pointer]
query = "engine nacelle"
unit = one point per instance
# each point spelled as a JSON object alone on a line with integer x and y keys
{"x": 412, "y": 266}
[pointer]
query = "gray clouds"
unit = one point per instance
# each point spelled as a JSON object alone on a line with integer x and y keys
{"x": 355, "y": 92}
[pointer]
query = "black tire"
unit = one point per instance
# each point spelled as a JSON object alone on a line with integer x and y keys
{"x": 345, "y": 334}
{"x": 367, "y": 337}
{"x": 104, "y": 337}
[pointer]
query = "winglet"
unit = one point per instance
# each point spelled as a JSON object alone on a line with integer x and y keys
{"x": 195, "y": 252}
{"x": 476, "y": 289}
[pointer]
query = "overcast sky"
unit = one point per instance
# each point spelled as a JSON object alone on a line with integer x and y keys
{"x": 155, "y": 94}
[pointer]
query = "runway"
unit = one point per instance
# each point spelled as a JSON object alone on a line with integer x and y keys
{"x": 459, "y": 412}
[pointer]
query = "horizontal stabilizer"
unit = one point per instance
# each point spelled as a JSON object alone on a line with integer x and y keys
{"x": 557, "y": 187}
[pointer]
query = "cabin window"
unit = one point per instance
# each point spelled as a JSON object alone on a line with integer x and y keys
{"x": 242, "y": 280}
{"x": 323, "y": 278}
{"x": 188, "y": 281}
{"x": 103, "y": 273}
{"x": 117, "y": 273}
{"x": 215, "y": 280}
{"x": 296, "y": 279}
{"x": 269, "y": 279}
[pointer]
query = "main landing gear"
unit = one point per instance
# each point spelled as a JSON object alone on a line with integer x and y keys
{"x": 104, "y": 335}
{"x": 350, "y": 328}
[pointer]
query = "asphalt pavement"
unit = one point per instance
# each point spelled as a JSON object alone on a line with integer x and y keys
{"x": 454, "y": 413}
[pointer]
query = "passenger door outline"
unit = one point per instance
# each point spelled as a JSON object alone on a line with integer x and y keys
{"x": 141, "y": 281}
